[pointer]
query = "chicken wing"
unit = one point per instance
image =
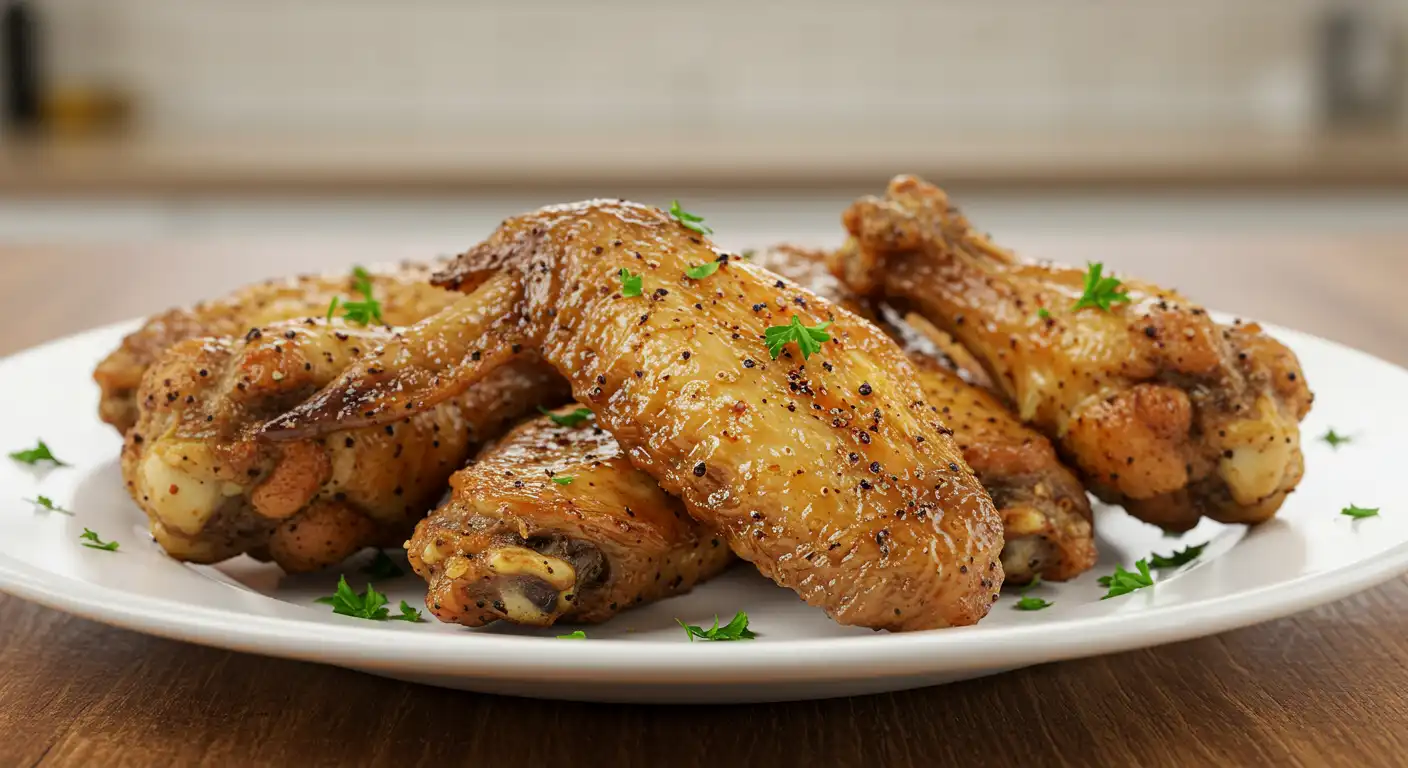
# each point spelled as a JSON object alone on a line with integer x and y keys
{"x": 211, "y": 491}
{"x": 405, "y": 295}
{"x": 554, "y": 523}
{"x": 1161, "y": 408}
{"x": 826, "y": 470}
{"x": 1045, "y": 512}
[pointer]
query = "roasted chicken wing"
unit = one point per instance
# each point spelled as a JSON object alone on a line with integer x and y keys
{"x": 826, "y": 470}
{"x": 404, "y": 293}
{"x": 1162, "y": 409}
{"x": 554, "y": 523}
{"x": 1045, "y": 512}
{"x": 211, "y": 491}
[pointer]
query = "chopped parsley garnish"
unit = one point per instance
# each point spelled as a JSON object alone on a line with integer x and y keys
{"x": 1100, "y": 291}
{"x": 1122, "y": 582}
{"x": 1032, "y": 604}
{"x": 382, "y": 567}
{"x": 48, "y": 503}
{"x": 1359, "y": 512}
{"x": 332, "y": 307}
{"x": 807, "y": 338}
{"x": 1336, "y": 440}
{"x": 367, "y": 605}
{"x": 703, "y": 270}
{"x": 407, "y": 613}
{"x": 577, "y": 635}
{"x": 37, "y": 454}
{"x": 689, "y": 220}
{"x": 563, "y": 479}
{"x": 1176, "y": 559}
{"x": 362, "y": 312}
{"x": 630, "y": 283}
{"x": 1043, "y": 313}
{"x": 92, "y": 541}
{"x": 734, "y": 630}
{"x": 568, "y": 419}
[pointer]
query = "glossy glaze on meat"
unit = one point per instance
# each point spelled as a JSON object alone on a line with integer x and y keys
{"x": 211, "y": 491}
{"x": 404, "y": 293}
{"x": 553, "y": 523}
{"x": 1161, "y": 408}
{"x": 1045, "y": 512}
{"x": 831, "y": 475}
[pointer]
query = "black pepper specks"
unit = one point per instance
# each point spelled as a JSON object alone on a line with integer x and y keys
{"x": 865, "y": 389}
{"x": 700, "y": 469}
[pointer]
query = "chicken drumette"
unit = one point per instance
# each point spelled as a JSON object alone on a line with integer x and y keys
{"x": 1162, "y": 409}
{"x": 554, "y": 523}
{"x": 827, "y": 471}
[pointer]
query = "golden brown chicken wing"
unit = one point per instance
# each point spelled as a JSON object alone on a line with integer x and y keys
{"x": 826, "y": 470}
{"x": 1045, "y": 512}
{"x": 211, "y": 491}
{"x": 554, "y": 523}
{"x": 404, "y": 293}
{"x": 1163, "y": 409}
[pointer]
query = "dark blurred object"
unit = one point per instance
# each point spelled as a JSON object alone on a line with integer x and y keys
{"x": 20, "y": 76}
{"x": 1362, "y": 67}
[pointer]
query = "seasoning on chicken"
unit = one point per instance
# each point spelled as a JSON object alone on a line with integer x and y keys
{"x": 816, "y": 459}
{"x": 1161, "y": 408}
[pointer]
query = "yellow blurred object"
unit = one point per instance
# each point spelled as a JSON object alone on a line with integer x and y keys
{"x": 83, "y": 111}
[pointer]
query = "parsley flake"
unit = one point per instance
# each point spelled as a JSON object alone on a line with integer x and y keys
{"x": 807, "y": 338}
{"x": 568, "y": 419}
{"x": 1336, "y": 440}
{"x": 703, "y": 270}
{"x": 361, "y": 312}
{"x": 332, "y": 307}
{"x": 48, "y": 503}
{"x": 382, "y": 567}
{"x": 563, "y": 479}
{"x": 1032, "y": 604}
{"x": 407, "y": 613}
{"x": 1122, "y": 582}
{"x": 92, "y": 541}
{"x": 1043, "y": 313}
{"x": 630, "y": 283}
{"x": 1359, "y": 512}
{"x": 347, "y": 602}
{"x": 689, "y": 220}
{"x": 577, "y": 635}
{"x": 1176, "y": 559}
{"x": 37, "y": 454}
{"x": 1100, "y": 291}
{"x": 734, "y": 630}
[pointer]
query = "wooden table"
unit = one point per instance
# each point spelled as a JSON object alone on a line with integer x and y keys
{"x": 1328, "y": 686}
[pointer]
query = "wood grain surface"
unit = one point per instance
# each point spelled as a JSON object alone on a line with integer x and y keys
{"x": 1325, "y": 687}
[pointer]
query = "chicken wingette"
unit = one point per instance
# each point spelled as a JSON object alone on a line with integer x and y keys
{"x": 1045, "y": 512}
{"x": 791, "y": 426}
{"x": 1161, "y": 408}
{"x": 553, "y": 523}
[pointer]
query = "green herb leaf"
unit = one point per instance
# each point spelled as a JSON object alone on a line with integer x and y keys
{"x": 362, "y": 312}
{"x": 1043, "y": 313}
{"x": 689, "y": 220}
{"x": 382, "y": 567}
{"x": 407, "y": 613}
{"x": 630, "y": 283}
{"x": 1336, "y": 440}
{"x": 807, "y": 338}
{"x": 563, "y": 479}
{"x": 48, "y": 503}
{"x": 347, "y": 602}
{"x": 91, "y": 541}
{"x": 1100, "y": 292}
{"x": 1176, "y": 559}
{"x": 332, "y": 307}
{"x": 1032, "y": 604}
{"x": 568, "y": 419}
{"x": 734, "y": 630}
{"x": 703, "y": 270}
{"x": 37, "y": 454}
{"x": 577, "y": 635}
{"x": 1122, "y": 582}
{"x": 1359, "y": 512}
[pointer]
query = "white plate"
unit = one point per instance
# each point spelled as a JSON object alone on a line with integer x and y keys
{"x": 1309, "y": 554}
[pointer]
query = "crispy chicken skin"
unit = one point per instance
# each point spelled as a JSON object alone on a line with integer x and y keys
{"x": 831, "y": 475}
{"x": 211, "y": 491}
{"x": 404, "y": 294}
{"x": 1161, "y": 408}
{"x": 1045, "y": 512}
{"x": 553, "y": 523}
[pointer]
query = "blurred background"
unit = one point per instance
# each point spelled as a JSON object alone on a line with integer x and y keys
{"x": 410, "y": 128}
